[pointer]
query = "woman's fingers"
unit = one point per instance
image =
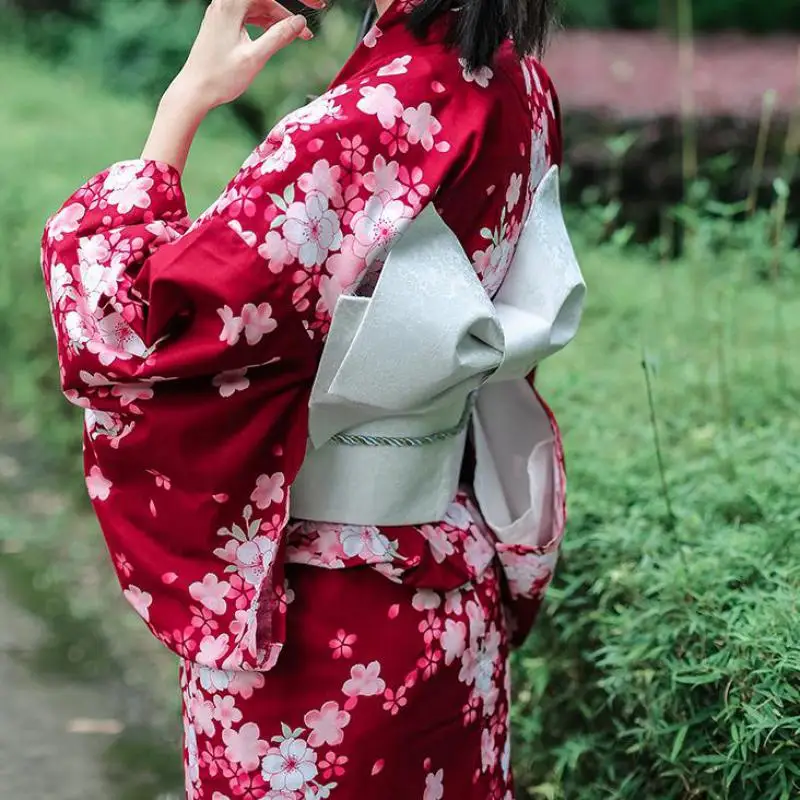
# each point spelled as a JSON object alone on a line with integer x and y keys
{"x": 266, "y": 22}
{"x": 277, "y": 37}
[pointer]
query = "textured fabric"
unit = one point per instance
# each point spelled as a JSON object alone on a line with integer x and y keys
{"x": 193, "y": 346}
{"x": 376, "y": 410}
{"x": 425, "y": 716}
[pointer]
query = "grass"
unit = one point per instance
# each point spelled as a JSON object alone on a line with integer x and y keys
{"x": 651, "y": 619}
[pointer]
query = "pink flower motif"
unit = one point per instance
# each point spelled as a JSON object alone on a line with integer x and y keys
{"x": 292, "y": 765}
{"x": 379, "y": 225}
{"x": 231, "y": 382}
{"x": 248, "y": 785}
{"x": 381, "y": 101}
{"x": 269, "y": 489}
{"x": 313, "y": 228}
{"x": 232, "y": 326}
{"x": 170, "y": 185}
{"x": 422, "y": 125}
{"x": 454, "y": 640}
{"x": 327, "y": 725}
{"x": 141, "y": 601}
{"x": 245, "y": 747}
{"x": 354, "y": 153}
{"x": 244, "y": 683}
{"x": 185, "y": 644}
{"x": 395, "y": 140}
{"x": 395, "y": 700}
{"x": 203, "y": 620}
{"x": 211, "y": 593}
{"x": 215, "y": 762}
{"x": 225, "y": 711}
{"x": 99, "y": 488}
{"x": 123, "y": 565}
{"x": 470, "y": 710}
{"x": 365, "y": 681}
{"x": 434, "y": 786}
{"x": 66, "y": 221}
{"x": 243, "y": 201}
{"x": 342, "y": 645}
{"x": 332, "y": 765}
{"x": 275, "y": 251}
{"x": 431, "y": 628}
{"x": 258, "y": 322}
{"x": 413, "y": 182}
{"x": 429, "y": 663}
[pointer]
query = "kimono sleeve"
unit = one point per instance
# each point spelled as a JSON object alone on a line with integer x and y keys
{"x": 193, "y": 347}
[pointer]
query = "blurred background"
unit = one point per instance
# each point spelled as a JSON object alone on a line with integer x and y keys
{"x": 667, "y": 662}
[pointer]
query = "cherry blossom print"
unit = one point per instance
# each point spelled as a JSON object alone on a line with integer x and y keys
{"x": 123, "y": 565}
{"x": 211, "y": 592}
{"x": 379, "y": 225}
{"x": 371, "y": 39}
{"x": 365, "y": 542}
{"x": 66, "y": 221}
{"x": 232, "y": 326}
{"x": 383, "y": 180}
{"x": 399, "y": 66}
{"x": 281, "y": 158}
{"x": 313, "y": 228}
{"x": 269, "y": 489}
{"x": 513, "y": 193}
{"x": 275, "y": 251}
{"x": 422, "y": 125}
{"x": 141, "y": 601}
{"x": 327, "y": 725}
{"x": 364, "y": 681}
{"x": 434, "y": 786}
{"x": 381, "y": 101}
{"x": 395, "y": 700}
{"x": 290, "y": 766}
{"x": 342, "y": 645}
{"x": 324, "y": 179}
{"x": 98, "y": 486}
{"x": 230, "y": 382}
{"x": 258, "y": 322}
{"x": 244, "y": 746}
{"x": 128, "y": 190}
{"x": 480, "y": 77}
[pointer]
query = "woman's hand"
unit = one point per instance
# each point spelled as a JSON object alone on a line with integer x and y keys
{"x": 221, "y": 66}
{"x": 225, "y": 60}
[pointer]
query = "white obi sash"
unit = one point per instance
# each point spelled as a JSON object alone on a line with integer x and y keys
{"x": 405, "y": 372}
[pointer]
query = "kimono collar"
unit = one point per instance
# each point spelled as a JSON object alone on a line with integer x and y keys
{"x": 384, "y": 41}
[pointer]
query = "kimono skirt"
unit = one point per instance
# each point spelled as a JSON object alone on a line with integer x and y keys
{"x": 393, "y": 682}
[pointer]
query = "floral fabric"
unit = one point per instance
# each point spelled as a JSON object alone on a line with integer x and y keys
{"x": 192, "y": 347}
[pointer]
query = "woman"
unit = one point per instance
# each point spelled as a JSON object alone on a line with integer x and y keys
{"x": 362, "y": 654}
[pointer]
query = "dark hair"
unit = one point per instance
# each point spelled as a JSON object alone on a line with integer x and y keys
{"x": 481, "y": 26}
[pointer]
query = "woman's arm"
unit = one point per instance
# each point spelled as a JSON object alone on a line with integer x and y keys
{"x": 221, "y": 66}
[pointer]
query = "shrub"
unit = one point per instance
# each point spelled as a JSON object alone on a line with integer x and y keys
{"x": 666, "y": 664}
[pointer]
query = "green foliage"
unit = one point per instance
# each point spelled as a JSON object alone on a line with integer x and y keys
{"x": 139, "y": 47}
{"x": 666, "y": 663}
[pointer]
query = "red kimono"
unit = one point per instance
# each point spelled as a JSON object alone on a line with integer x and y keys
{"x": 318, "y": 660}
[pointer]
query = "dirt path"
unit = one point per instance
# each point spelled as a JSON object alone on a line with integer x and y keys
{"x": 75, "y": 720}
{"x": 40, "y": 758}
